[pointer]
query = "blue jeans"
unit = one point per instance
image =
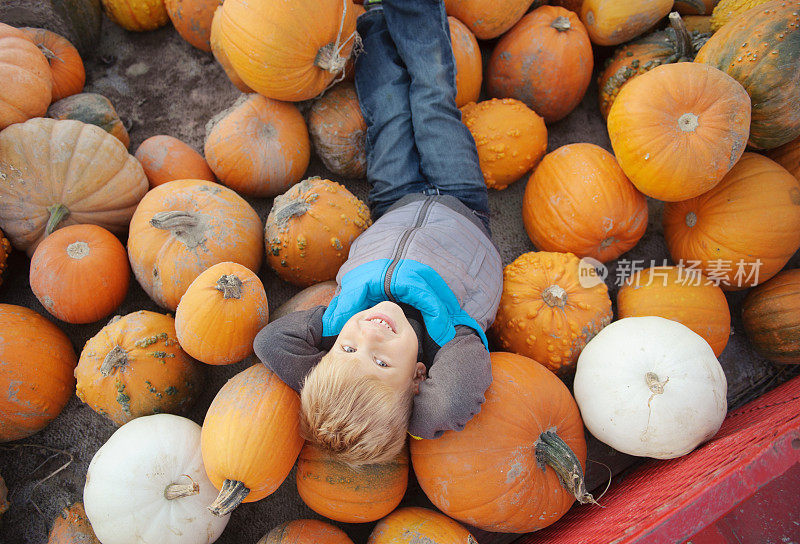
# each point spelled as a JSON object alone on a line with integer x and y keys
{"x": 406, "y": 85}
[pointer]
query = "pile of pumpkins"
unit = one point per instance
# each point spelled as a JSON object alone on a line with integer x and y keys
{"x": 682, "y": 105}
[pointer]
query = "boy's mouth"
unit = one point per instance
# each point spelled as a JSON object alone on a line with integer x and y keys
{"x": 382, "y": 320}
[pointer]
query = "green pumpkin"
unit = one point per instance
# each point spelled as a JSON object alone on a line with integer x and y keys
{"x": 77, "y": 20}
{"x": 91, "y": 108}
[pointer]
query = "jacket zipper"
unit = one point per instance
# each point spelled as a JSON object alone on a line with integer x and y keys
{"x": 401, "y": 247}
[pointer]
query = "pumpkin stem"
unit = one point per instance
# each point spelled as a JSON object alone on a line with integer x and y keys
{"x": 177, "y": 491}
{"x": 115, "y": 358}
{"x": 561, "y": 23}
{"x": 78, "y": 250}
{"x": 328, "y": 59}
{"x": 691, "y": 219}
{"x": 688, "y": 122}
{"x": 58, "y": 212}
{"x": 230, "y": 496}
{"x": 656, "y": 386}
{"x": 555, "y": 295}
{"x": 187, "y": 227}
{"x": 230, "y": 286}
{"x": 552, "y": 451}
{"x": 683, "y": 40}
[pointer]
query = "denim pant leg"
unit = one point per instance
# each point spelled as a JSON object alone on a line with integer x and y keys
{"x": 448, "y": 157}
{"x": 382, "y": 85}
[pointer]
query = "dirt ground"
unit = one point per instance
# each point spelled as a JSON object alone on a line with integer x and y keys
{"x": 159, "y": 84}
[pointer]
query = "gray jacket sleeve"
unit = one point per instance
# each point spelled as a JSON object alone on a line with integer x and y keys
{"x": 454, "y": 389}
{"x": 290, "y": 346}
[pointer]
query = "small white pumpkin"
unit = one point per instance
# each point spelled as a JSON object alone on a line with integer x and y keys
{"x": 651, "y": 387}
{"x": 147, "y": 485}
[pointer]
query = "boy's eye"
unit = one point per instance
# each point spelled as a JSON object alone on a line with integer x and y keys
{"x": 348, "y": 349}
{"x": 381, "y": 363}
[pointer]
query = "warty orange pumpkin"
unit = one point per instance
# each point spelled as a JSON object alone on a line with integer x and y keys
{"x": 305, "y": 531}
{"x": 91, "y": 108}
{"x": 338, "y": 131}
{"x": 165, "y": 158}
{"x": 412, "y": 524}
{"x": 771, "y": 317}
{"x": 27, "y": 82}
{"x": 192, "y": 20}
{"x": 611, "y": 22}
{"x": 728, "y": 10}
{"x": 66, "y": 65}
{"x": 72, "y": 527}
{"x": 469, "y": 63}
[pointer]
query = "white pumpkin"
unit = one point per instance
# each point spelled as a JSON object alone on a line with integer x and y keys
{"x": 651, "y": 387}
{"x": 147, "y": 485}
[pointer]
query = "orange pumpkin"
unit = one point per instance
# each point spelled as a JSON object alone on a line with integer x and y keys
{"x": 91, "y": 108}
{"x": 695, "y": 7}
{"x": 89, "y": 178}
{"x": 352, "y": 495}
{"x": 545, "y": 61}
{"x": 5, "y": 251}
{"x": 72, "y": 527}
{"x": 572, "y": 5}
{"x": 184, "y": 226}
{"x": 485, "y": 18}
{"x": 744, "y": 230}
{"x": 165, "y": 158}
{"x": 222, "y": 56}
{"x": 413, "y": 524}
{"x": 192, "y": 20}
{"x": 287, "y": 50}
{"x": 680, "y": 294}
{"x": 518, "y": 464}
{"x": 135, "y": 367}
{"x": 578, "y": 200}
{"x": 220, "y": 314}
{"x": 305, "y": 531}
{"x": 80, "y": 273}
{"x": 259, "y": 146}
{"x": 611, "y": 22}
{"x": 338, "y": 131}
{"x": 550, "y": 308}
{"x": 469, "y": 64}
{"x": 36, "y": 364}
{"x": 678, "y": 129}
{"x": 319, "y": 294}
{"x": 510, "y": 137}
{"x": 136, "y": 15}
{"x": 66, "y": 65}
{"x": 771, "y": 316}
{"x": 27, "y": 83}
{"x": 788, "y": 156}
{"x": 250, "y": 438}
{"x": 698, "y": 23}
{"x": 310, "y": 228}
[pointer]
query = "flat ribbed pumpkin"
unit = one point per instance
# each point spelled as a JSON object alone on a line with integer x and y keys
{"x": 305, "y": 531}
{"x": 165, "y": 158}
{"x": 137, "y": 15}
{"x": 88, "y": 178}
{"x": 611, "y": 22}
{"x": 220, "y": 314}
{"x": 788, "y": 156}
{"x": 310, "y": 228}
{"x": 549, "y": 309}
{"x": 744, "y": 230}
{"x": 319, "y": 294}
{"x": 485, "y": 18}
{"x": 545, "y": 61}
{"x": 771, "y": 316}
{"x": 678, "y": 129}
{"x": 184, "y": 226}
{"x": 287, "y": 50}
{"x": 91, "y": 108}
{"x": 578, "y": 200}
{"x": 504, "y": 471}
{"x": 66, "y": 65}
{"x": 761, "y": 50}
{"x": 338, "y": 131}
{"x": 352, "y": 495}
{"x": 192, "y": 20}
{"x": 414, "y": 524}
{"x": 469, "y": 64}
{"x": 27, "y": 84}
{"x": 680, "y": 294}
{"x": 72, "y": 527}
{"x": 258, "y": 146}
{"x": 250, "y": 438}
{"x": 134, "y": 367}
{"x": 36, "y": 364}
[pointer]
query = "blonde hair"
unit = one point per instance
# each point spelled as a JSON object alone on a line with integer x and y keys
{"x": 356, "y": 418}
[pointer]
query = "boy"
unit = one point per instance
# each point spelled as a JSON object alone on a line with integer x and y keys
{"x": 405, "y": 333}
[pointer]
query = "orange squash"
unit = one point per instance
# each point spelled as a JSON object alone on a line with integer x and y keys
{"x": 72, "y": 527}
{"x": 136, "y": 15}
{"x": 36, "y": 364}
{"x": 412, "y": 524}
{"x": 135, "y": 367}
{"x": 222, "y": 56}
{"x": 510, "y": 137}
{"x": 545, "y": 61}
{"x": 319, "y": 294}
{"x": 744, "y": 230}
{"x": 695, "y": 7}
{"x": 287, "y": 50}
{"x": 518, "y": 464}
{"x": 184, "y": 226}
{"x": 5, "y": 251}
{"x": 220, "y": 314}
{"x": 485, "y": 18}
{"x": 678, "y": 129}
{"x": 66, "y": 65}
{"x": 611, "y": 22}
{"x": 338, "y": 131}
{"x": 469, "y": 64}
{"x": 550, "y": 309}
{"x": 250, "y": 438}
{"x": 192, "y": 20}
{"x": 305, "y": 531}
{"x": 771, "y": 317}
{"x": 27, "y": 83}
{"x": 259, "y": 146}
{"x": 352, "y": 495}
{"x": 80, "y": 273}
{"x": 91, "y": 108}
{"x": 165, "y": 158}
{"x": 310, "y": 228}
{"x": 681, "y": 294}
{"x": 578, "y": 200}
{"x": 788, "y": 156}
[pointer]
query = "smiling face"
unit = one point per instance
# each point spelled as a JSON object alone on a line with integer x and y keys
{"x": 382, "y": 343}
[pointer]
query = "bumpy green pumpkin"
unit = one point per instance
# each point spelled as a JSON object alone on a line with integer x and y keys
{"x": 91, "y": 108}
